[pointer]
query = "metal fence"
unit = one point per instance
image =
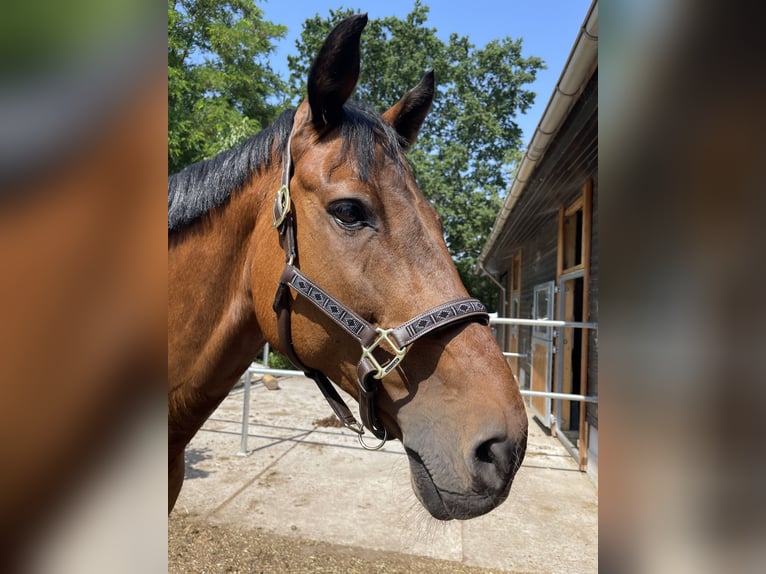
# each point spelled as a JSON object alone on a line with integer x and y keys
{"x": 256, "y": 369}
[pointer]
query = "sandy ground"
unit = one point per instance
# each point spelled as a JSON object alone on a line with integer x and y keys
{"x": 198, "y": 547}
{"x": 307, "y": 498}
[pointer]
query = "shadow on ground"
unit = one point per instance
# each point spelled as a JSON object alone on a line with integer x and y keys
{"x": 195, "y": 456}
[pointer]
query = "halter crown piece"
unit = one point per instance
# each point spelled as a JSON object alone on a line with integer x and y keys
{"x": 396, "y": 341}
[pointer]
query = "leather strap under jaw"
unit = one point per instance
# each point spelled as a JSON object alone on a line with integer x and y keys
{"x": 395, "y": 341}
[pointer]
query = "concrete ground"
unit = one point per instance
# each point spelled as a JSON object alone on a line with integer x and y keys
{"x": 302, "y": 479}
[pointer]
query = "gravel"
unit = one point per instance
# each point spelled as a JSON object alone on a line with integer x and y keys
{"x": 195, "y": 546}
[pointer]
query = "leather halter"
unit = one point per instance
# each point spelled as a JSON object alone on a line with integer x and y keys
{"x": 396, "y": 341}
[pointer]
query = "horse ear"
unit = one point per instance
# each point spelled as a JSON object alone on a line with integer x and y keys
{"x": 407, "y": 115}
{"x": 335, "y": 71}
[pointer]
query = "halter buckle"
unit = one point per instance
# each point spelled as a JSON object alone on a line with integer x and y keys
{"x": 382, "y": 370}
{"x": 281, "y": 205}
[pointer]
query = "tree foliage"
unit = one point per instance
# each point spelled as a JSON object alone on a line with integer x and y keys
{"x": 221, "y": 87}
{"x": 470, "y": 142}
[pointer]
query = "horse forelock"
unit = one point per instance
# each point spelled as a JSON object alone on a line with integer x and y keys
{"x": 360, "y": 131}
{"x": 207, "y": 184}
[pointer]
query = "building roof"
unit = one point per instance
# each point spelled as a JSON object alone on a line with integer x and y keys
{"x": 578, "y": 77}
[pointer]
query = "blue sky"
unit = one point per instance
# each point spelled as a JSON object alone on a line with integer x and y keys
{"x": 548, "y": 27}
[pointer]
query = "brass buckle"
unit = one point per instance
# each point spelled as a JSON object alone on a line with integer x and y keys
{"x": 281, "y": 205}
{"x": 383, "y": 370}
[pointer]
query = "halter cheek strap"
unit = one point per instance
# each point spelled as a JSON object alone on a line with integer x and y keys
{"x": 375, "y": 342}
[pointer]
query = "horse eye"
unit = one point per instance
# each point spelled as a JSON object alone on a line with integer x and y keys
{"x": 349, "y": 214}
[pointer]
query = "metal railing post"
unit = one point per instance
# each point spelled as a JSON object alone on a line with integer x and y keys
{"x": 245, "y": 413}
{"x": 246, "y": 402}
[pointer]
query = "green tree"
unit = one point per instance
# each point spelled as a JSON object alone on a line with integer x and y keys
{"x": 221, "y": 88}
{"x": 470, "y": 142}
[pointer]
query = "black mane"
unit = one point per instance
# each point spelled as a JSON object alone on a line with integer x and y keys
{"x": 207, "y": 184}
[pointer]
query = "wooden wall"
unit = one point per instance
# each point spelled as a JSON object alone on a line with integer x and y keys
{"x": 538, "y": 265}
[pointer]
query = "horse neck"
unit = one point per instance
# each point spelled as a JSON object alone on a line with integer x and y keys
{"x": 213, "y": 334}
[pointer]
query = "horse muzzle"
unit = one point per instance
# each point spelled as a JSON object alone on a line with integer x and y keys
{"x": 470, "y": 487}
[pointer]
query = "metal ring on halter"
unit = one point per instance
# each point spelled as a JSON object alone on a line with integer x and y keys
{"x": 281, "y": 205}
{"x": 378, "y": 446}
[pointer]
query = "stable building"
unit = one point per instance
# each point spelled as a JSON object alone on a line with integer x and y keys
{"x": 543, "y": 254}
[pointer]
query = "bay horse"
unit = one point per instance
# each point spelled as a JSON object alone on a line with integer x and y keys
{"x": 319, "y": 218}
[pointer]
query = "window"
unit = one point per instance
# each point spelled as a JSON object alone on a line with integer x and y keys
{"x": 543, "y": 308}
{"x": 514, "y": 313}
{"x": 571, "y": 233}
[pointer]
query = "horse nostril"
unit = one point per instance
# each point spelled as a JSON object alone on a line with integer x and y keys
{"x": 484, "y": 452}
{"x": 494, "y": 461}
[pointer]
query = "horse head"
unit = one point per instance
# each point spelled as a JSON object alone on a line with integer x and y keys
{"x": 366, "y": 234}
